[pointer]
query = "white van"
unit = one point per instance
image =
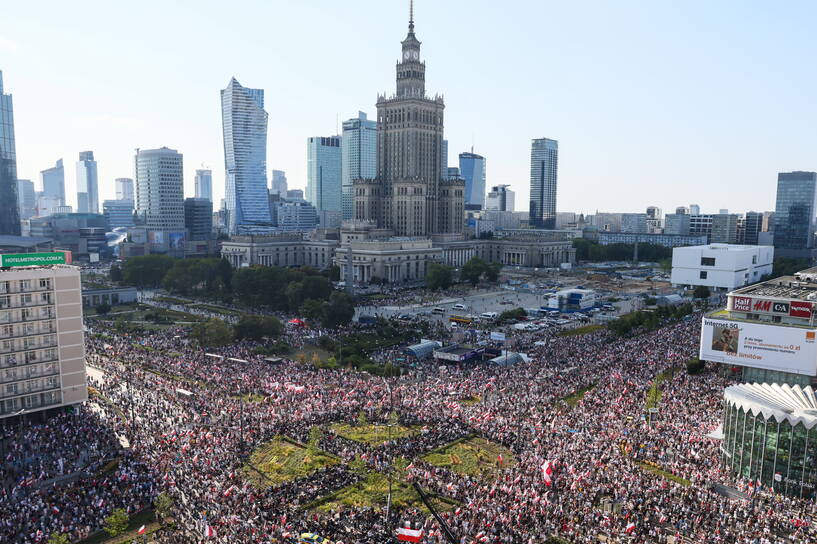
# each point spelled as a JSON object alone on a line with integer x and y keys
{"x": 460, "y": 307}
{"x": 489, "y": 316}
{"x": 438, "y": 311}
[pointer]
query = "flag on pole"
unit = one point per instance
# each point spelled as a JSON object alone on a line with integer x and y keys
{"x": 409, "y": 535}
{"x": 209, "y": 531}
{"x": 630, "y": 528}
{"x": 547, "y": 473}
{"x": 141, "y": 530}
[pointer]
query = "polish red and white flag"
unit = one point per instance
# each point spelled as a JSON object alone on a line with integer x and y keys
{"x": 141, "y": 530}
{"x": 209, "y": 531}
{"x": 409, "y": 535}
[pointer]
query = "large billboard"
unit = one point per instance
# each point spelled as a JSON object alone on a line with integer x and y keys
{"x": 33, "y": 259}
{"x": 772, "y": 347}
{"x": 793, "y": 308}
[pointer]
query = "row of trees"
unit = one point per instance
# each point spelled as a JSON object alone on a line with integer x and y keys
{"x": 440, "y": 276}
{"x": 591, "y": 251}
{"x": 182, "y": 276}
{"x": 648, "y": 319}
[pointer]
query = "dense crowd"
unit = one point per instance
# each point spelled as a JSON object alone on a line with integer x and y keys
{"x": 578, "y": 470}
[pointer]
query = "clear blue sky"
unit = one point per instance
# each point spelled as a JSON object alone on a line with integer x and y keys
{"x": 653, "y": 102}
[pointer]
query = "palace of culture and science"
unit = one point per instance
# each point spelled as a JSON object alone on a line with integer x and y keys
{"x": 409, "y": 215}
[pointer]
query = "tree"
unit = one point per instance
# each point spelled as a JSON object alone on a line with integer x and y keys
{"x": 116, "y": 523}
{"x": 212, "y": 333}
{"x": 473, "y": 270}
{"x": 116, "y": 273}
{"x": 147, "y": 270}
{"x": 162, "y": 505}
{"x": 786, "y": 266}
{"x": 701, "y": 291}
{"x": 438, "y": 276}
{"x": 313, "y": 310}
{"x": 256, "y": 327}
{"x": 695, "y": 366}
{"x": 103, "y": 308}
{"x": 339, "y": 311}
{"x": 58, "y": 538}
{"x": 334, "y": 273}
{"x": 492, "y": 271}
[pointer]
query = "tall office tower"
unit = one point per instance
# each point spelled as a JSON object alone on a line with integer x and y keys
{"x": 724, "y": 229}
{"x": 26, "y": 198}
{"x": 295, "y": 194}
{"x": 500, "y": 198}
{"x": 768, "y": 222}
{"x": 682, "y": 210}
{"x": 198, "y": 218}
{"x": 9, "y": 211}
{"x": 87, "y": 185}
{"x": 245, "y": 158}
{"x": 279, "y": 183}
{"x": 323, "y": 173}
{"x": 472, "y": 168}
{"x": 119, "y": 213}
{"x": 655, "y": 220}
{"x": 444, "y": 161}
{"x": 753, "y": 224}
{"x": 544, "y": 165}
{"x": 410, "y": 196}
{"x": 160, "y": 188}
{"x": 43, "y": 346}
{"x": 359, "y": 157}
{"x": 124, "y": 188}
{"x": 53, "y": 182}
{"x": 204, "y": 184}
{"x": 694, "y": 209}
{"x": 700, "y": 225}
{"x": 794, "y": 214}
{"x": 634, "y": 222}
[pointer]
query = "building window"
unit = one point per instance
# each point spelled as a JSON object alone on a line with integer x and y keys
{"x": 703, "y": 274}
{"x": 707, "y": 261}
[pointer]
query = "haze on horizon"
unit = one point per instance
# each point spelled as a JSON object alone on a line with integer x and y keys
{"x": 653, "y": 103}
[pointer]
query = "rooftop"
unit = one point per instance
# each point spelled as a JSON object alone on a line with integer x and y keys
{"x": 781, "y": 402}
{"x": 785, "y": 287}
{"x": 8, "y": 240}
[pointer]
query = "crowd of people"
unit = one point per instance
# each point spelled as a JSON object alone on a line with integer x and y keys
{"x": 579, "y": 470}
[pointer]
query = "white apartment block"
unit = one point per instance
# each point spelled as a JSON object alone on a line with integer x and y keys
{"x": 42, "y": 352}
{"x": 721, "y": 267}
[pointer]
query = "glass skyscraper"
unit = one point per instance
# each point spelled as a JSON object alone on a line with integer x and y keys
{"x": 279, "y": 183}
{"x": 323, "y": 173}
{"x": 53, "y": 182}
{"x": 9, "y": 212}
{"x": 472, "y": 169}
{"x": 245, "y": 158}
{"x": 544, "y": 164}
{"x": 359, "y": 157}
{"x": 27, "y": 199}
{"x": 87, "y": 183}
{"x": 794, "y": 215}
{"x": 160, "y": 188}
{"x": 124, "y": 188}
{"x": 204, "y": 185}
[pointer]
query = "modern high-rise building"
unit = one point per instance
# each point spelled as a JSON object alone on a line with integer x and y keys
{"x": 43, "y": 356}
{"x": 124, "y": 189}
{"x": 53, "y": 182}
{"x": 323, "y": 173}
{"x": 87, "y": 183}
{"x": 119, "y": 213}
{"x": 359, "y": 157}
{"x": 500, "y": 198}
{"x": 634, "y": 222}
{"x": 198, "y": 218}
{"x": 160, "y": 188}
{"x": 204, "y": 184}
{"x": 9, "y": 211}
{"x": 409, "y": 195}
{"x": 795, "y": 210}
{"x": 472, "y": 168}
{"x": 694, "y": 209}
{"x": 279, "y": 183}
{"x": 677, "y": 223}
{"x": 297, "y": 216}
{"x": 295, "y": 194}
{"x": 724, "y": 228}
{"x": 245, "y": 158}
{"x": 752, "y": 226}
{"x": 26, "y": 198}
{"x": 544, "y": 165}
{"x": 453, "y": 172}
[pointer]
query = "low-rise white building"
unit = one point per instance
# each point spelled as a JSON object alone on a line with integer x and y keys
{"x": 721, "y": 267}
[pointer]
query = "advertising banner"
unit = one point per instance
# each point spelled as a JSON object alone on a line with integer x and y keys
{"x": 793, "y": 308}
{"x": 498, "y": 336}
{"x": 771, "y": 347}
{"x": 32, "y": 259}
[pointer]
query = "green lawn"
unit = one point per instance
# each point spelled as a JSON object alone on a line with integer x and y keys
{"x": 280, "y": 460}
{"x": 373, "y": 434}
{"x": 470, "y": 401}
{"x": 472, "y": 456}
{"x": 373, "y": 490}
{"x": 578, "y": 331}
{"x": 252, "y": 397}
{"x": 664, "y": 474}
{"x": 573, "y": 400}
{"x": 654, "y": 392}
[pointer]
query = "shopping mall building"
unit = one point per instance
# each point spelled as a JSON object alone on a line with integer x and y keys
{"x": 766, "y": 338}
